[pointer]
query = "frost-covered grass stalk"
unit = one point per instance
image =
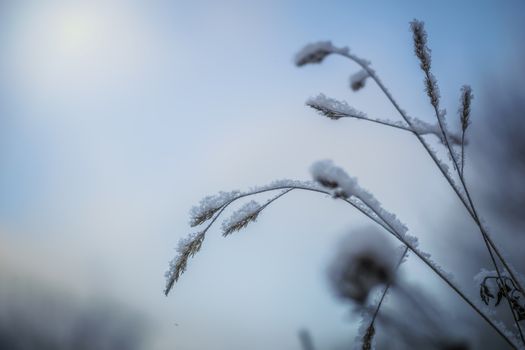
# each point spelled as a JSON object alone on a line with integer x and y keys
{"x": 365, "y": 267}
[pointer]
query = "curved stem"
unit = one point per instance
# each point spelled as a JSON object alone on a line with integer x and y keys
{"x": 467, "y": 202}
{"x": 475, "y": 215}
{"x": 447, "y": 281}
{"x": 379, "y": 219}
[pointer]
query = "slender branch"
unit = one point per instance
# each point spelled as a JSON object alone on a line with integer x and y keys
{"x": 387, "y": 226}
{"x": 364, "y": 65}
{"x": 383, "y": 222}
{"x": 275, "y": 198}
{"x": 445, "y": 279}
{"x": 385, "y": 290}
{"x": 486, "y": 237}
{"x": 487, "y": 243}
{"x": 378, "y": 121}
{"x": 465, "y": 199}
{"x": 173, "y": 276}
{"x": 462, "y": 152}
{"x": 423, "y": 53}
{"x": 335, "y": 110}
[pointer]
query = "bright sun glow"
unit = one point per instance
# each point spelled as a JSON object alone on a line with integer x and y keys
{"x": 77, "y": 33}
{"x": 79, "y": 48}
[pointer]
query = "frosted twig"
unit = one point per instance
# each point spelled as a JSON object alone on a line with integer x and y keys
{"x": 383, "y": 218}
{"x": 464, "y": 198}
{"x": 335, "y": 110}
{"x": 423, "y": 53}
{"x": 442, "y": 275}
{"x": 188, "y": 248}
{"x": 344, "y": 186}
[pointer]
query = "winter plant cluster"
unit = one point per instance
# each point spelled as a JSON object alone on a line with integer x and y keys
{"x": 369, "y": 261}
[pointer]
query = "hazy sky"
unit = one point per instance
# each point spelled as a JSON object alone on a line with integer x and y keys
{"x": 117, "y": 116}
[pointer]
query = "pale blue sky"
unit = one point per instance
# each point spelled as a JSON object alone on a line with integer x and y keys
{"x": 118, "y": 116}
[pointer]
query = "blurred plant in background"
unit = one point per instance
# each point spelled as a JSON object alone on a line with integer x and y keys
{"x": 34, "y": 315}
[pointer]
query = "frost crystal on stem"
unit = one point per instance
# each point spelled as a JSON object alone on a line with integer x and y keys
{"x": 332, "y": 108}
{"x": 334, "y": 178}
{"x": 209, "y": 206}
{"x": 187, "y": 248}
{"x": 335, "y": 109}
{"x": 241, "y": 218}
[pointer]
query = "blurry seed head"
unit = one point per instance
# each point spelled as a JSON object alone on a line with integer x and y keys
{"x": 316, "y": 53}
{"x": 358, "y": 80}
{"x": 334, "y": 178}
{"x": 365, "y": 260}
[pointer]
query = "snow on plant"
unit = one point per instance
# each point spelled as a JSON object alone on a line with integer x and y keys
{"x": 365, "y": 266}
{"x": 209, "y": 206}
{"x": 317, "y": 52}
{"x": 241, "y": 218}
{"x": 358, "y": 80}
{"x": 333, "y": 109}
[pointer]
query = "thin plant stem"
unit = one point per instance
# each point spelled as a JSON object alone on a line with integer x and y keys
{"x": 385, "y": 290}
{"x": 457, "y": 168}
{"x": 383, "y": 223}
{"x": 463, "y": 152}
{"x": 378, "y": 121}
{"x": 516, "y": 321}
{"x": 467, "y": 202}
{"x": 446, "y": 280}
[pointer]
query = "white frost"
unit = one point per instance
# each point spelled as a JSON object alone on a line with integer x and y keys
{"x": 331, "y": 176}
{"x": 333, "y": 108}
{"x": 317, "y": 52}
{"x": 209, "y": 205}
{"x": 241, "y": 215}
{"x": 286, "y": 183}
{"x": 343, "y": 185}
{"x": 336, "y": 109}
{"x": 423, "y": 128}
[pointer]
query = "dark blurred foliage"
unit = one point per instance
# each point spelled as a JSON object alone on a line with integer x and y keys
{"x": 499, "y": 156}
{"x": 306, "y": 340}
{"x": 33, "y": 316}
{"x": 496, "y": 178}
{"x": 410, "y": 318}
{"x": 414, "y": 320}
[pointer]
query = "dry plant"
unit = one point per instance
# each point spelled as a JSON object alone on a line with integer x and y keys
{"x": 369, "y": 265}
